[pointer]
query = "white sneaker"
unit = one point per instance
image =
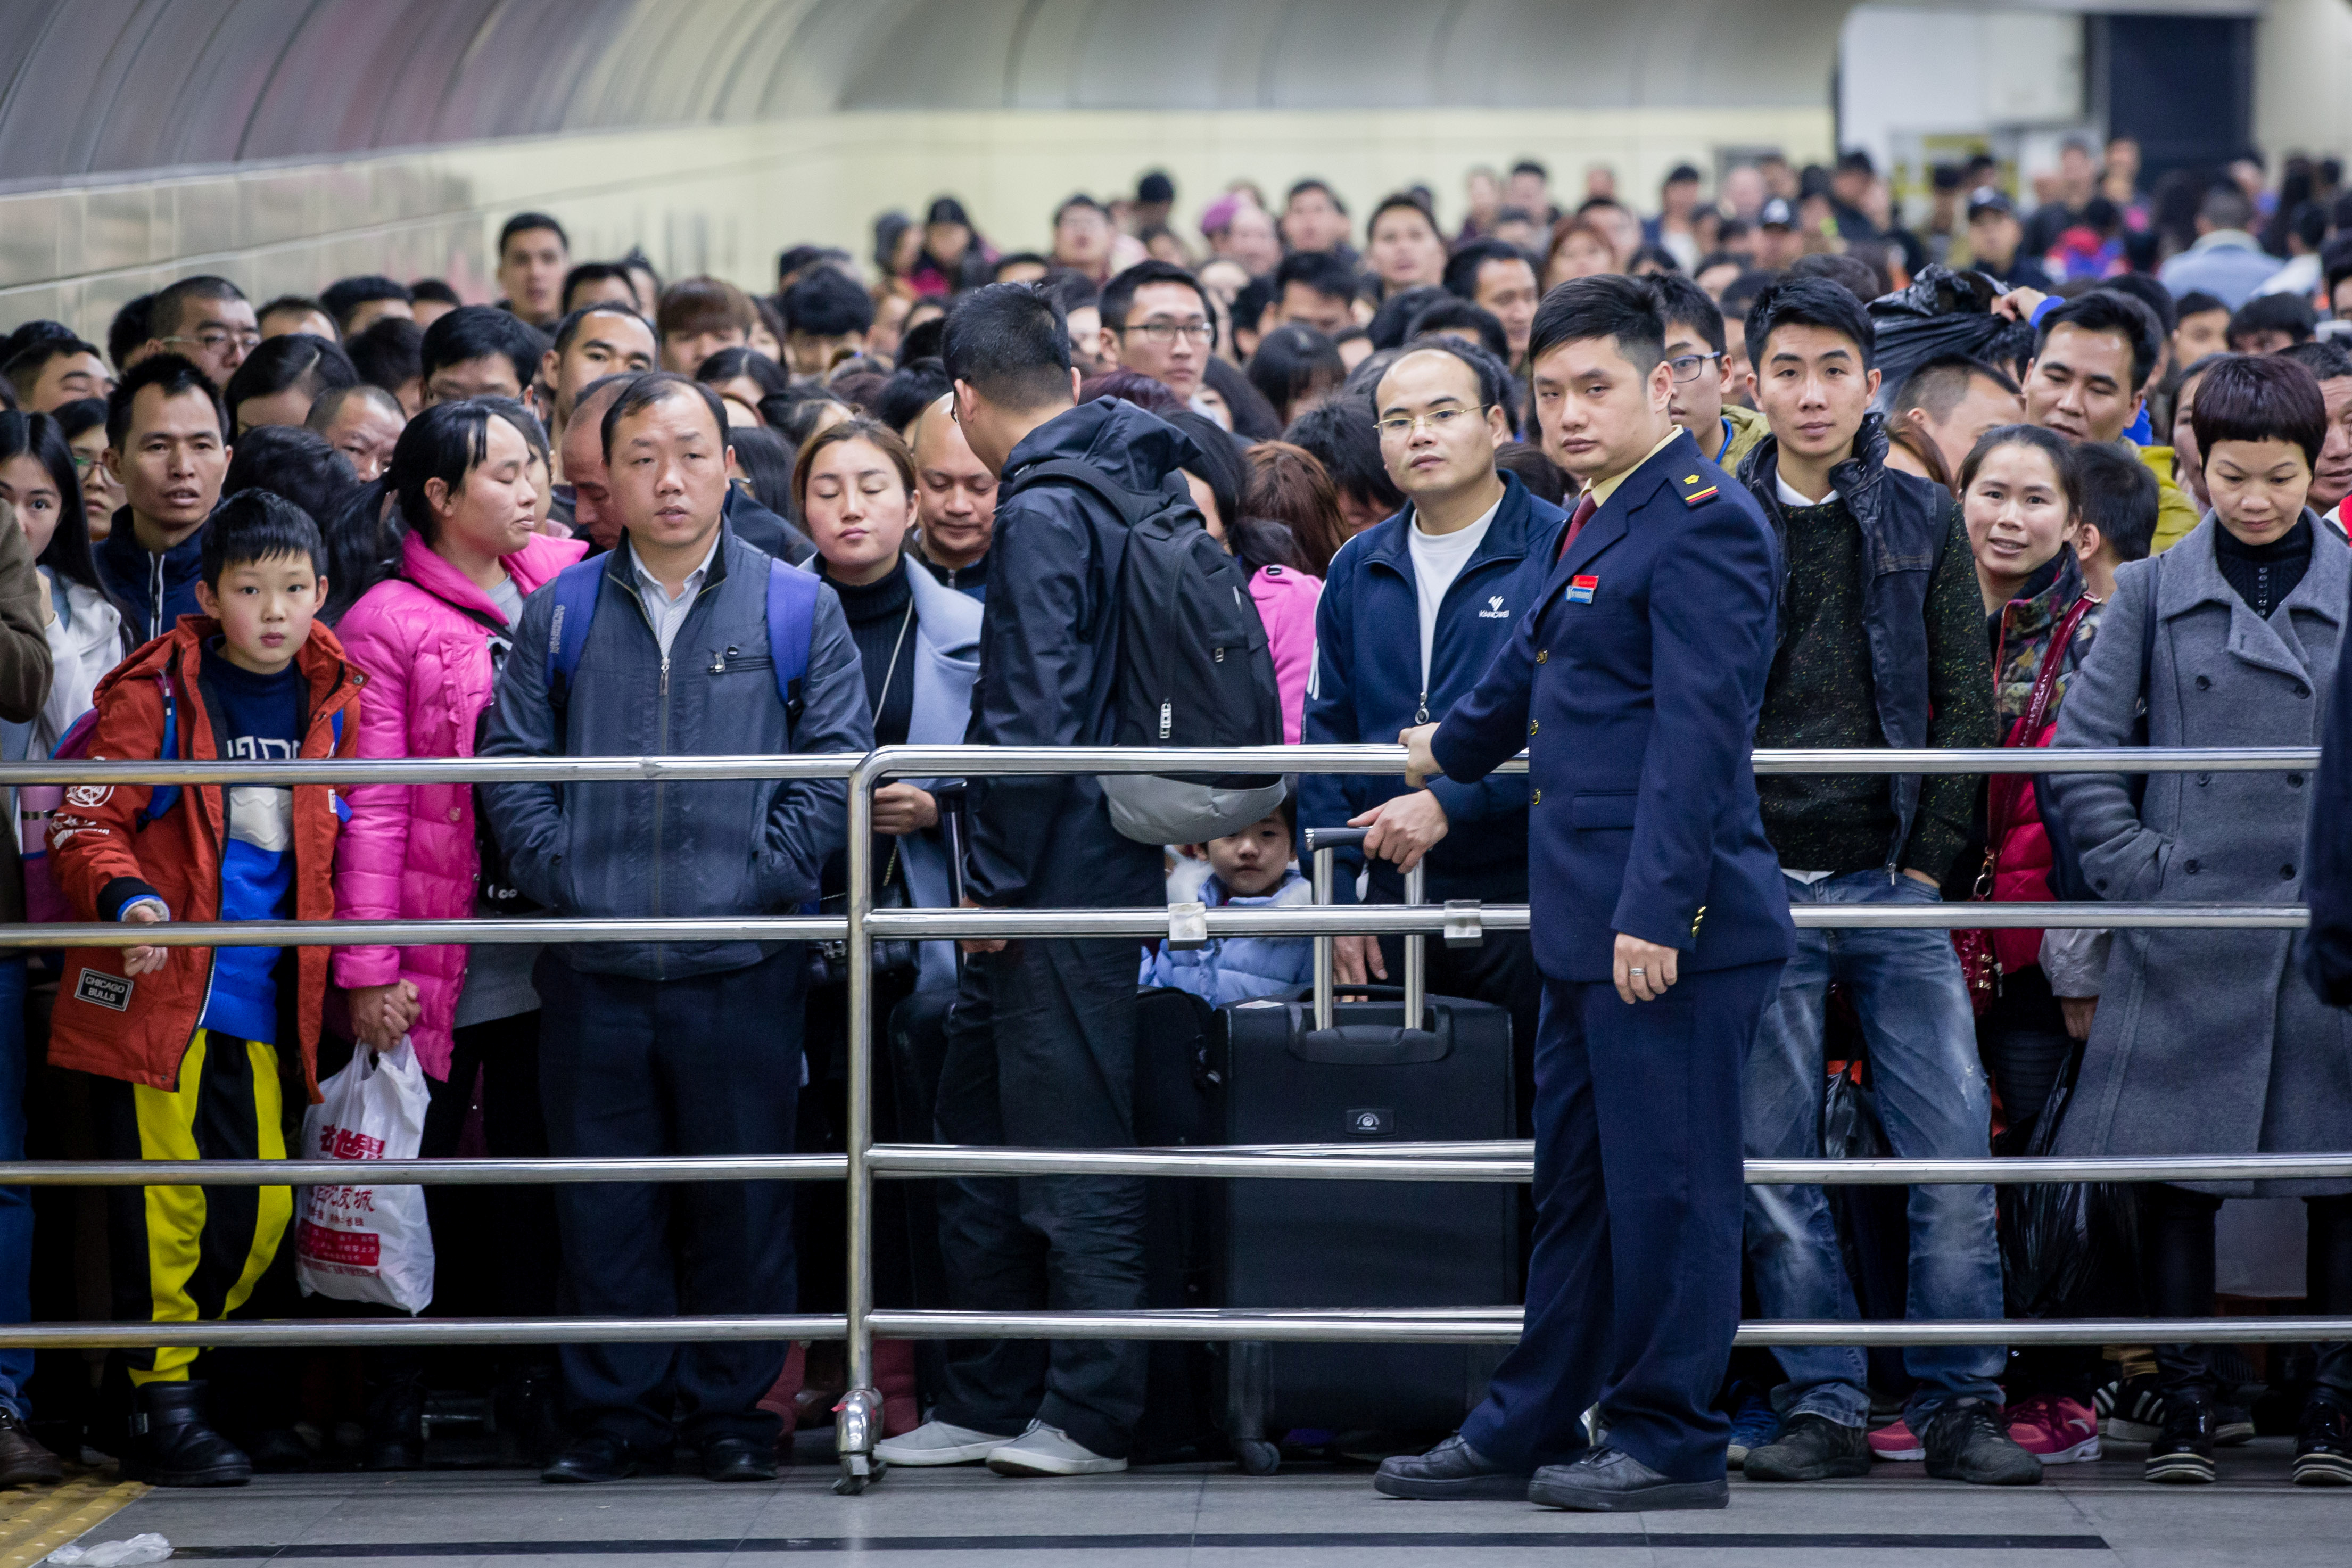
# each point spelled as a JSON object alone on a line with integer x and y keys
{"x": 1045, "y": 1450}
{"x": 939, "y": 1442}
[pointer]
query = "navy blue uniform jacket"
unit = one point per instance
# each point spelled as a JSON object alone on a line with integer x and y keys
{"x": 1634, "y": 683}
{"x": 1366, "y": 685}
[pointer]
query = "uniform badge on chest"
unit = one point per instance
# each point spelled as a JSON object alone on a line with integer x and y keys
{"x": 1580, "y": 589}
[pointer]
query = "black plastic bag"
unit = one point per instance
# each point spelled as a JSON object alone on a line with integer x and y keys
{"x": 1943, "y": 312}
{"x": 2068, "y": 1250}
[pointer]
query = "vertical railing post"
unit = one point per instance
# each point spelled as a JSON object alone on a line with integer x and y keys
{"x": 857, "y": 1419}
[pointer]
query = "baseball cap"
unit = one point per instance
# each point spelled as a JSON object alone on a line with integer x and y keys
{"x": 1988, "y": 199}
{"x": 1776, "y": 214}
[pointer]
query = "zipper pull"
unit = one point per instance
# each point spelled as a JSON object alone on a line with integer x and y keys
{"x": 1167, "y": 719}
{"x": 1421, "y": 713}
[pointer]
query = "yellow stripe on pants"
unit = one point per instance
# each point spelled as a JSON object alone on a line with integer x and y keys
{"x": 176, "y": 1216}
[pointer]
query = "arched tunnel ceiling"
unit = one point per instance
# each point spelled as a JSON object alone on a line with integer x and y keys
{"x": 105, "y": 86}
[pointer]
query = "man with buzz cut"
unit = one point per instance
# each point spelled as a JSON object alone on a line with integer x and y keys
{"x": 1459, "y": 565}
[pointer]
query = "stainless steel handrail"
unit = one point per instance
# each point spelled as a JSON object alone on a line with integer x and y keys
{"x": 1374, "y": 1163}
{"x": 477, "y": 1173}
{"x": 1500, "y": 1325}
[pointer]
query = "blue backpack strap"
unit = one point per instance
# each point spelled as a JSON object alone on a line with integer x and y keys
{"x": 567, "y": 630}
{"x": 164, "y": 797}
{"x": 791, "y": 622}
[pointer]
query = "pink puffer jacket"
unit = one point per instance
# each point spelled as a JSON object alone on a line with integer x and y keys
{"x": 408, "y": 850}
{"x": 1286, "y": 603}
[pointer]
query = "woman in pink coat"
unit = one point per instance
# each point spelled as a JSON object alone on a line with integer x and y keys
{"x": 432, "y": 639}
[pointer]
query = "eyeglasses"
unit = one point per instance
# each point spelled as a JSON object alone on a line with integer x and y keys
{"x": 1439, "y": 420}
{"x": 214, "y": 342}
{"x": 1166, "y": 332}
{"x": 1689, "y": 366}
{"x": 84, "y": 462}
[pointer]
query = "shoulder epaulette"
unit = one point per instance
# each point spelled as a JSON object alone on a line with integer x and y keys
{"x": 1695, "y": 488}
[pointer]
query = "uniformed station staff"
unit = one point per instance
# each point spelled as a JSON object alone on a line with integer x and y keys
{"x": 1661, "y": 926}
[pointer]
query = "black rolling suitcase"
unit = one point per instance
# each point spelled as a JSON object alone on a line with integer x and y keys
{"x": 1366, "y": 1081}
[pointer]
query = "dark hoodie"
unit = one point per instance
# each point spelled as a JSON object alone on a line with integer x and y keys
{"x": 151, "y": 590}
{"x": 1049, "y": 662}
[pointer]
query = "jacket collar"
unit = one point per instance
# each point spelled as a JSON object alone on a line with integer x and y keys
{"x": 332, "y": 681}
{"x": 1390, "y": 544}
{"x": 2191, "y": 575}
{"x": 533, "y": 564}
{"x": 621, "y": 560}
{"x": 1609, "y": 524}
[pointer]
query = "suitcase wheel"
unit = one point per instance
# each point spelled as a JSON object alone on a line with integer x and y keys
{"x": 1257, "y": 1457}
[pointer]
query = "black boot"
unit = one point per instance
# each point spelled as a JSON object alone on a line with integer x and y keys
{"x": 173, "y": 1445}
{"x": 395, "y": 1421}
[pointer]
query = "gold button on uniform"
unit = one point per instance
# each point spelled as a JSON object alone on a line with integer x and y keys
{"x": 1531, "y": 726}
{"x": 1542, "y": 654}
{"x": 1536, "y": 798}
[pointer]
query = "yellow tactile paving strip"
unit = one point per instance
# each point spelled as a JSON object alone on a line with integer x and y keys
{"x": 36, "y": 1521}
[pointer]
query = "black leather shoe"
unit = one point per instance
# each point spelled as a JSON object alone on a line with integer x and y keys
{"x": 172, "y": 1444}
{"x": 2323, "y": 1448}
{"x": 594, "y": 1457}
{"x": 1452, "y": 1470}
{"x": 23, "y": 1462}
{"x": 277, "y": 1451}
{"x": 1609, "y": 1480}
{"x": 738, "y": 1459}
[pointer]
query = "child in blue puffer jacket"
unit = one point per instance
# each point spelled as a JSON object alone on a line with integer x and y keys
{"x": 1252, "y": 867}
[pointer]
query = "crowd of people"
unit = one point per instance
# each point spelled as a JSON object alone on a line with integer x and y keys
{"x": 608, "y": 515}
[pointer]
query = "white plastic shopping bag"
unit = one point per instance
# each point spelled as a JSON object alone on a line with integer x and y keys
{"x": 366, "y": 1243}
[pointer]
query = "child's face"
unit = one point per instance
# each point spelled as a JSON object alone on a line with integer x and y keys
{"x": 265, "y": 608}
{"x": 1253, "y": 860}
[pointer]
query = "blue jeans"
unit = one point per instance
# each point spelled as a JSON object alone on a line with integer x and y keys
{"x": 16, "y": 1202}
{"x": 1933, "y": 1102}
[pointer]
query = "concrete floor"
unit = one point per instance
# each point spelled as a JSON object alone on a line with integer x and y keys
{"x": 1307, "y": 1517}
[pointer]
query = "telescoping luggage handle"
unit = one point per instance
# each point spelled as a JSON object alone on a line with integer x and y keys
{"x": 1462, "y": 927}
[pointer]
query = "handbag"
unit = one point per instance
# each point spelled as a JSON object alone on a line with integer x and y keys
{"x": 1979, "y": 965}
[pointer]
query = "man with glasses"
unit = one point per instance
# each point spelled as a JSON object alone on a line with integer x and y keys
{"x": 1459, "y": 565}
{"x": 207, "y": 320}
{"x": 1697, "y": 349}
{"x": 1156, "y": 322}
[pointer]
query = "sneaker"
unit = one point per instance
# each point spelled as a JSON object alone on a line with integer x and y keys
{"x": 2130, "y": 1410}
{"x": 939, "y": 1442}
{"x": 2055, "y": 1429}
{"x": 1754, "y": 1424}
{"x": 2323, "y": 1450}
{"x": 2233, "y": 1424}
{"x": 1897, "y": 1444}
{"x": 2182, "y": 1453}
{"x": 1045, "y": 1450}
{"x": 1966, "y": 1441}
{"x": 1811, "y": 1449}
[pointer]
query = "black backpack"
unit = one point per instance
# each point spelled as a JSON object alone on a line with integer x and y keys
{"x": 1195, "y": 667}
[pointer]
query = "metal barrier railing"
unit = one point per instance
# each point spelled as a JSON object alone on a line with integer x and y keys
{"x": 857, "y": 1421}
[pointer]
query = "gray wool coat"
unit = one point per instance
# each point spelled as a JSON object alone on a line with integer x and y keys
{"x": 2207, "y": 1042}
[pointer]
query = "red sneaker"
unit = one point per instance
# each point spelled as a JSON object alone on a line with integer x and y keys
{"x": 2055, "y": 1429}
{"x": 1896, "y": 1444}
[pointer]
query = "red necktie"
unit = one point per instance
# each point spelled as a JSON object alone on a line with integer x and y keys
{"x": 1577, "y": 520}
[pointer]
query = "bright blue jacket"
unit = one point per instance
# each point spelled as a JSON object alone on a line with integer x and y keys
{"x": 1366, "y": 686}
{"x": 1237, "y": 968}
{"x": 1634, "y": 680}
